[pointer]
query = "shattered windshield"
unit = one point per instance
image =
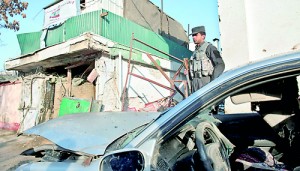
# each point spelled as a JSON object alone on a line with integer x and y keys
{"x": 125, "y": 139}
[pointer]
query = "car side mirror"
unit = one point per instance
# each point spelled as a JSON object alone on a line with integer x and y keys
{"x": 123, "y": 161}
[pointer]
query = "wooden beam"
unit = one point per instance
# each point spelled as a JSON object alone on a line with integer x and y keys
{"x": 69, "y": 80}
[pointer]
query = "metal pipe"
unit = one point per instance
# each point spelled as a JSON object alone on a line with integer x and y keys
{"x": 188, "y": 31}
{"x": 164, "y": 74}
{"x": 154, "y": 82}
{"x": 128, "y": 71}
{"x": 159, "y": 50}
{"x": 159, "y": 100}
{"x": 188, "y": 45}
{"x": 177, "y": 72}
{"x": 160, "y": 69}
{"x": 161, "y": 16}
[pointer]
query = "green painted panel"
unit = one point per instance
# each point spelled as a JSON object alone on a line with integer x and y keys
{"x": 125, "y": 51}
{"x": 55, "y": 35}
{"x": 29, "y": 42}
{"x": 74, "y": 106}
{"x": 89, "y": 22}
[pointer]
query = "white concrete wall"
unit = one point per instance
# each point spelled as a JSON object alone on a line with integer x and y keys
{"x": 106, "y": 83}
{"x": 32, "y": 98}
{"x": 114, "y": 6}
{"x": 233, "y": 31}
{"x": 255, "y": 29}
{"x": 90, "y": 5}
{"x": 252, "y": 30}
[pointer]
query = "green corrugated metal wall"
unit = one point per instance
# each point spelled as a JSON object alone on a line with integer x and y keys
{"x": 55, "y": 35}
{"x": 89, "y": 22}
{"x": 29, "y": 42}
{"x": 113, "y": 27}
{"x": 119, "y": 29}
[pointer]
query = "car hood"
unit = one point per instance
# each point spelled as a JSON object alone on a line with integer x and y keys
{"x": 90, "y": 133}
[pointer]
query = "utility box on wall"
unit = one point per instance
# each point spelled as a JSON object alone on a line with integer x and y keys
{"x": 84, "y": 91}
{"x": 70, "y": 105}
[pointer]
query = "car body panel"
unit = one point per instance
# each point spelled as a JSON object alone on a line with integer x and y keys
{"x": 59, "y": 166}
{"x": 90, "y": 133}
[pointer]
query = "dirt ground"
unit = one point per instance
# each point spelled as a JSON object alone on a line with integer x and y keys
{"x": 12, "y": 145}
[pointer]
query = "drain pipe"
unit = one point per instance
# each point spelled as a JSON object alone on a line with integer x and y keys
{"x": 161, "y": 16}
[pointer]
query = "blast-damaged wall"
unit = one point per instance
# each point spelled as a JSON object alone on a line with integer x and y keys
{"x": 140, "y": 93}
{"x": 85, "y": 90}
{"x": 32, "y": 99}
{"x": 26, "y": 103}
{"x": 107, "y": 89}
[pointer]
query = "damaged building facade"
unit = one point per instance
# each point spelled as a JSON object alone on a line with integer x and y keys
{"x": 110, "y": 55}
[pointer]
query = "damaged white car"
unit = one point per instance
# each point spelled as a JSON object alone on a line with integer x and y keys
{"x": 258, "y": 131}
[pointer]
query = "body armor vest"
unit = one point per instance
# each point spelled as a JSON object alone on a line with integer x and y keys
{"x": 201, "y": 65}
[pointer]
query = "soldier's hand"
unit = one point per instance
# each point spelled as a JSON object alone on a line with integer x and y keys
{"x": 186, "y": 72}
